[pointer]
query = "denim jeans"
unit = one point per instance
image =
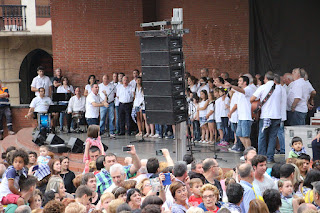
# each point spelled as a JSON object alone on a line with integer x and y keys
{"x": 239, "y": 144}
{"x": 297, "y": 118}
{"x": 159, "y": 129}
{"x": 267, "y": 138}
{"x": 91, "y": 121}
{"x": 104, "y": 111}
{"x": 281, "y": 139}
{"x": 225, "y": 129}
{"x": 196, "y": 130}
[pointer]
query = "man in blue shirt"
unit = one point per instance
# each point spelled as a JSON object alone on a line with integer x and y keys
{"x": 247, "y": 176}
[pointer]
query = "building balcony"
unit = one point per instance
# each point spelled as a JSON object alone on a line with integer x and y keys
{"x": 25, "y": 19}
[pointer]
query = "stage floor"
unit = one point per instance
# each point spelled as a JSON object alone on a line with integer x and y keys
{"x": 148, "y": 149}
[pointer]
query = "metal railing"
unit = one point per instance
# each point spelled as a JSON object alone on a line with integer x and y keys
{"x": 13, "y": 17}
{"x": 43, "y": 11}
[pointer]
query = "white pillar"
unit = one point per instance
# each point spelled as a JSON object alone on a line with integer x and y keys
{"x": 181, "y": 140}
{"x": 30, "y": 14}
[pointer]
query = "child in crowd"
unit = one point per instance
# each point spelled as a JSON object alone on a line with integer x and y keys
{"x": 139, "y": 107}
{"x": 210, "y": 118}
{"x": 195, "y": 186}
{"x": 93, "y": 139}
{"x": 296, "y": 148}
{"x": 202, "y": 111}
{"x": 44, "y": 157}
{"x": 195, "y": 118}
{"x": 221, "y": 114}
{"x": 106, "y": 198}
{"x": 289, "y": 204}
{"x": 32, "y": 158}
{"x": 9, "y": 188}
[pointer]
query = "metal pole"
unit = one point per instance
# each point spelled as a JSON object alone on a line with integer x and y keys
{"x": 181, "y": 140}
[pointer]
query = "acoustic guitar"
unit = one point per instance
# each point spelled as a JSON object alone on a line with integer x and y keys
{"x": 255, "y": 113}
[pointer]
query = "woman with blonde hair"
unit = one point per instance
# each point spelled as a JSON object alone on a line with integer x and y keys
{"x": 56, "y": 184}
{"x": 258, "y": 206}
{"x": 210, "y": 197}
{"x": 75, "y": 208}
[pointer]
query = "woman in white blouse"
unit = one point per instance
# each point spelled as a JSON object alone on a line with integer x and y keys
{"x": 87, "y": 89}
{"x": 65, "y": 88}
{"x": 192, "y": 82}
{"x": 139, "y": 107}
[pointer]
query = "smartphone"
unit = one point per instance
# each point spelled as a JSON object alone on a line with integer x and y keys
{"x": 36, "y": 167}
{"x": 159, "y": 152}
{"x": 126, "y": 149}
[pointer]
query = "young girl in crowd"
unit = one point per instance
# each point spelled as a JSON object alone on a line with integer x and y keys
{"x": 9, "y": 188}
{"x": 93, "y": 139}
{"x": 139, "y": 107}
{"x": 210, "y": 118}
{"x": 289, "y": 204}
{"x": 202, "y": 111}
{"x": 195, "y": 118}
{"x": 223, "y": 108}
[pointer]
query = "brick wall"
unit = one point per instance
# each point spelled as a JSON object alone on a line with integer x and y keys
{"x": 219, "y": 33}
{"x": 95, "y": 37}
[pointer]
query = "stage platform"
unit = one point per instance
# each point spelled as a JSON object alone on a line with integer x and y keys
{"x": 145, "y": 149}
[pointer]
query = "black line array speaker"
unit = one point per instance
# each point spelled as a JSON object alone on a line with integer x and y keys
{"x": 163, "y": 79}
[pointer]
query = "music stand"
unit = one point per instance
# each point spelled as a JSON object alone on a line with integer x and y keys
{"x": 57, "y": 108}
{"x": 61, "y": 97}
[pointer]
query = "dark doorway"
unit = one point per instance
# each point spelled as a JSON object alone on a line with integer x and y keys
{"x": 28, "y": 70}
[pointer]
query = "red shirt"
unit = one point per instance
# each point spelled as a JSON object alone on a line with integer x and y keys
{"x": 193, "y": 201}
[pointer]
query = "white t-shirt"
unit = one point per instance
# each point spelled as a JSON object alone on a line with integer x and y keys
{"x": 110, "y": 90}
{"x": 224, "y": 109}
{"x": 133, "y": 83}
{"x": 88, "y": 88}
{"x": 61, "y": 89}
{"x": 217, "y": 110}
{"x": 194, "y": 88}
{"x": 298, "y": 90}
{"x": 202, "y": 113}
{"x": 234, "y": 101}
{"x": 205, "y": 87}
{"x": 244, "y": 105}
{"x": 92, "y": 111}
{"x": 125, "y": 94}
{"x": 192, "y": 110}
{"x": 211, "y": 108}
{"x": 116, "y": 100}
{"x": 284, "y": 104}
{"x": 272, "y": 108}
{"x": 309, "y": 89}
{"x": 41, "y": 104}
{"x": 139, "y": 99}
{"x": 44, "y": 82}
{"x": 77, "y": 104}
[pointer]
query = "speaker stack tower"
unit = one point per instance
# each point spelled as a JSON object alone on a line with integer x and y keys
{"x": 163, "y": 82}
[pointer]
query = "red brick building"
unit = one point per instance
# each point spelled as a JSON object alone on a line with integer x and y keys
{"x": 98, "y": 37}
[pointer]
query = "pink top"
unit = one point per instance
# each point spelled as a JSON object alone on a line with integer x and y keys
{"x": 94, "y": 142}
